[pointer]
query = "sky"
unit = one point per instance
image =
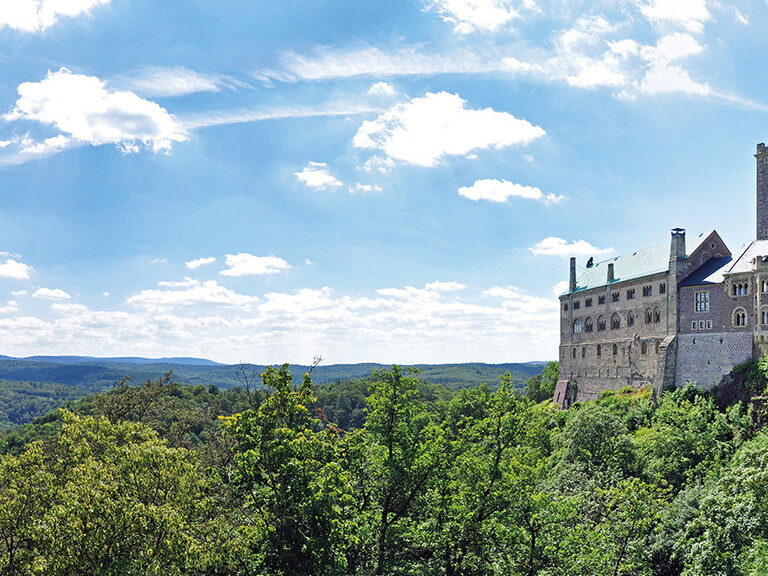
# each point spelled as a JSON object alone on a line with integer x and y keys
{"x": 400, "y": 181}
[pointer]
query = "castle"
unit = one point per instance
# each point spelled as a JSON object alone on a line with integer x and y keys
{"x": 683, "y": 311}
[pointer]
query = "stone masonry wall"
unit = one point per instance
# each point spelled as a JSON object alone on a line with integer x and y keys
{"x": 762, "y": 192}
{"x": 706, "y": 358}
{"x": 636, "y": 358}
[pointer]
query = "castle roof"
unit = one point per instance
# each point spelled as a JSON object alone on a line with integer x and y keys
{"x": 744, "y": 261}
{"x": 645, "y": 262}
{"x": 711, "y": 272}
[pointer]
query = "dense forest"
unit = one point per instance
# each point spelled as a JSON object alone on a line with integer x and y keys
{"x": 389, "y": 475}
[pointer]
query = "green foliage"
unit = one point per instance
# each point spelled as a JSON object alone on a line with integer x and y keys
{"x": 541, "y": 387}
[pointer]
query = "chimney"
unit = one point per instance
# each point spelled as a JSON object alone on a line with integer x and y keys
{"x": 677, "y": 245}
{"x": 610, "y": 272}
{"x": 762, "y": 192}
{"x": 572, "y": 282}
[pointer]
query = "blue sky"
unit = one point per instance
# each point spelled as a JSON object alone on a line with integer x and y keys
{"x": 364, "y": 181}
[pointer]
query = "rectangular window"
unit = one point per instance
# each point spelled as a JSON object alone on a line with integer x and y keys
{"x": 701, "y": 324}
{"x": 615, "y": 297}
{"x": 601, "y": 299}
{"x": 709, "y": 324}
{"x": 631, "y": 294}
{"x": 702, "y": 302}
{"x": 588, "y": 303}
{"x": 576, "y": 305}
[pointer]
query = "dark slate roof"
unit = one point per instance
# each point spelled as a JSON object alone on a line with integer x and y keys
{"x": 710, "y": 273}
{"x": 744, "y": 261}
{"x": 653, "y": 260}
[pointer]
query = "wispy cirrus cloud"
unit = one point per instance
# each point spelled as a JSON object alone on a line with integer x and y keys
{"x": 161, "y": 81}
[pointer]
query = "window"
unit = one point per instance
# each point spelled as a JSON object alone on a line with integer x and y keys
{"x": 702, "y": 302}
{"x": 656, "y": 315}
{"x": 601, "y": 299}
{"x": 615, "y": 349}
{"x": 657, "y": 346}
{"x": 648, "y": 316}
{"x": 601, "y": 324}
{"x": 739, "y": 317}
{"x": 588, "y": 325}
{"x": 631, "y": 294}
{"x": 598, "y": 350}
{"x": 647, "y": 290}
{"x": 584, "y": 352}
{"x": 694, "y": 325}
{"x": 588, "y": 303}
{"x": 565, "y": 306}
{"x": 576, "y": 304}
{"x": 709, "y": 324}
{"x": 764, "y": 316}
{"x": 644, "y": 348}
{"x": 765, "y": 286}
{"x": 630, "y": 318}
{"x": 573, "y": 354}
{"x": 740, "y": 289}
{"x": 577, "y": 327}
{"x": 701, "y": 324}
{"x": 662, "y": 288}
{"x": 615, "y": 322}
{"x": 615, "y": 297}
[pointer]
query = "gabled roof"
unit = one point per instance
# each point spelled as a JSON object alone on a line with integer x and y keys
{"x": 710, "y": 273}
{"x": 646, "y": 262}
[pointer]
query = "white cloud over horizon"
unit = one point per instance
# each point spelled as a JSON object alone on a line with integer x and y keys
{"x": 37, "y": 15}
{"x": 502, "y": 190}
{"x": 554, "y": 246}
{"x": 424, "y": 131}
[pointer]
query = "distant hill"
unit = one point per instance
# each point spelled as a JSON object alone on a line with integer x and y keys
{"x": 33, "y": 386}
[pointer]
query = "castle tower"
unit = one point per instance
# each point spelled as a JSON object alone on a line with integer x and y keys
{"x": 762, "y": 192}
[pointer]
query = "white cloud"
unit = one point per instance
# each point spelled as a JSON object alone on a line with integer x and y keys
{"x": 381, "y": 89}
{"x": 362, "y": 188}
{"x": 502, "y": 190}
{"x": 378, "y": 164}
{"x": 739, "y": 17}
{"x": 19, "y": 293}
{"x": 688, "y": 14}
{"x": 194, "y": 264}
{"x": 245, "y": 264}
{"x": 37, "y": 15}
{"x": 186, "y": 283}
{"x": 86, "y": 112}
{"x": 158, "y": 260}
{"x": 14, "y": 269}
{"x": 474, "y": 15}
{"x": 51, "y": 294}
{"x": 554, "y": 246}
{"x": 209, "y": 292}
{"x": 10, "y": 307}
{"x": 317, "y": 175}
{"x": 425, "y": 130}
{"x": 175, "y": 81}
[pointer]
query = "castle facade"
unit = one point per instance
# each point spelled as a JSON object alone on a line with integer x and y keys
{"x": 683, "y": 311}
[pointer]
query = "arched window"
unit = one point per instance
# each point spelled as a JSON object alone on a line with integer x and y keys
{"x": 630, "y": 318}
{"x": 662, "y": 288}
{"x": 615, "y": 349}
{"x": 615, "y": 322}
{"x": 739, "y": 317}
{"x": 583, "y": 351}
{"x": 764, "y": 316}
{"x": 734, "y": 289}
{"x": 601, "y": 324}
{"x": 648, "y": 316}
{"x": 644, "y": 348}
{"x": 573, "y": 353}
{"x": 656, "y": 315}
{"x": 577, "y": 327}
{"x": 588, "y": 325}
{"x": 599, "y": 349}
{"x": 657, "y": 346}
